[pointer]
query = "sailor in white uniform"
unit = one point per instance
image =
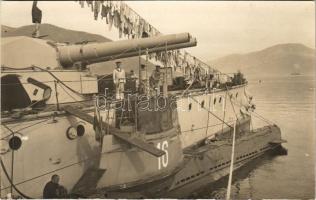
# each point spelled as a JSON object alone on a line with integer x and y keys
{"x": 119, "y": 80}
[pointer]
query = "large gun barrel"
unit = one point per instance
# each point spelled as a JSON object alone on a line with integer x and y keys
{"x": 98, "y": 52}
{"x": 191, "y": 43}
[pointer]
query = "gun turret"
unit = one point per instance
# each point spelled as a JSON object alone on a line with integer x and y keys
{"x": 99, "y": 52}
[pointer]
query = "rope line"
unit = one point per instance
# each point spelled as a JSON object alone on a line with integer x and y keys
{"x": 212, "y": 113}
{"x": 12, "y": 184}
{"x": 208, "y": 116}
{"x": 224, "y": 111}
{"x": 58, "y": 169}
{"x": 263, "y": 118}
{"x": 13, "y": 132}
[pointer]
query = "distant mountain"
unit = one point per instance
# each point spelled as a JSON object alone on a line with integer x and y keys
{"x": 6, "y": 29}
{"x": 54, "y": 33}
{"x": 59, "y": 34}
{"x": 278, "y": 60}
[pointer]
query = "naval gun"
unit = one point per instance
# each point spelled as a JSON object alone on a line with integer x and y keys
{"x": 58, "y": 64}
{"x": 21, "y": 51}
{"x": 98, "y": 52}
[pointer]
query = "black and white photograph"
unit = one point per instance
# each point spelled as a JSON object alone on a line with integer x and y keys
{"x": 157, "y": 100}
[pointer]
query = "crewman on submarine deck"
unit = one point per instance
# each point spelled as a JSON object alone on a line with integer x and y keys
{"x": 155, "y": 80}
{"x": 119, "y": 80}
{"x": 143, "y": 80}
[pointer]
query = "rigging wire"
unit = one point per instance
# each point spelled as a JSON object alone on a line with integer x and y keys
{"x": 58, "y": 169}
{"x": 11, "y": 182}
{"x": 224, "y": 111}
{"x": 13, "y": 132}
{"x": 230, "y": 99}
{"x": 269, "y": 122}
{"x": 208, "y": 116}
{"x": 208, "y": 110}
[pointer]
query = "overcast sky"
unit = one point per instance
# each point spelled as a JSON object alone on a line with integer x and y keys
{"x": 221, "y": 27}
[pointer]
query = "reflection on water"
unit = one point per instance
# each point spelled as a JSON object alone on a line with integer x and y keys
{"x": 290, "y": 103}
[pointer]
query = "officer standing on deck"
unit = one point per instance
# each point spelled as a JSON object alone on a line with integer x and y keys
{"x": 119, "y": 80}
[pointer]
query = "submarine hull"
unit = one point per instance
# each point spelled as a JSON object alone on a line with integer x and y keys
{"x": 211, "y": 162}
{"x": 205, "y": 164}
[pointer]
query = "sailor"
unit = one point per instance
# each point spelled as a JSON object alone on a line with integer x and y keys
{"x": 143, "y": 79}
{"x": 51, "y": 188}
{"x": 36, "y": 19}
{"x": 134, "y": 80}
{"x": 132, "y": 74}
{"x": 210, "y": 81}
{"x": 119, "y": 80}
{"x": 155, "y": 80}
{"x": 197, "y": 74}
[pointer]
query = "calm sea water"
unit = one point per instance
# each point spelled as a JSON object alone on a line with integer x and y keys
{"x": 290, "y": 103}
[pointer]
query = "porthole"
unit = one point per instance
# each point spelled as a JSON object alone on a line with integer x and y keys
{"x": 202, "y": 104}
{"x": 71, "y": 133}
{"x": 80, "y": 130}
{"x": 214, "y": 101}
{"x": 220, "y": 100}
{"x": 236, "y": 94}
{"x": 231, "y": 96}
{"x": 190, "y": 106}
{"x": 15, "y": 143}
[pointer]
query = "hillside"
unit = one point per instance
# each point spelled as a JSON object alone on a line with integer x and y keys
{"x": 54, "y": 33}
{"x": 6, "y": 29}
{"x": 59, "y": 34}
{"x": 278, "y": 60}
